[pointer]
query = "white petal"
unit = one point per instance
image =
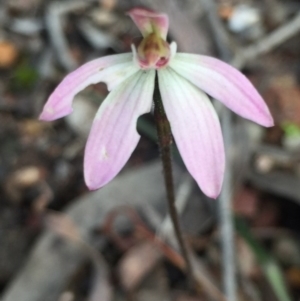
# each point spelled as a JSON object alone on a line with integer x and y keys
{"x": 113, "y": 135}
{"x": 196, "y": 130}
{"x": 224, "y": 83}
{"x": 111, "y": 69}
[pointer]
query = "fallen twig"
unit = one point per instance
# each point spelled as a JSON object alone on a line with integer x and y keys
{"x": 225, "y": 199}
{"x": 267, "y": 43}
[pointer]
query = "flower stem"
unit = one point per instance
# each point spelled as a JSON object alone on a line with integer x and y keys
{"x": 165, "y": 141}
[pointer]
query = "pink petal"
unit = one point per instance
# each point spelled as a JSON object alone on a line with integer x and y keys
{"x": 196, "y": 129}
{"x": 149, "y": 21}
{"x": 110, "y": 69}
{"x": 113, "y": 136}
{"x": 224, "y": 83}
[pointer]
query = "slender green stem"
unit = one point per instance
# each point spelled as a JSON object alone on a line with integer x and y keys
{"x": 165, "y": 141}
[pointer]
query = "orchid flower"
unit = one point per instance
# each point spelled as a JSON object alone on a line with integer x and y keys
{"x": 184, "y": 81}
